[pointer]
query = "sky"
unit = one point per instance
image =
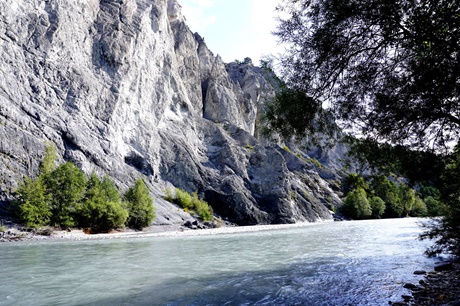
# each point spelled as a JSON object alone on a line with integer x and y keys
{"x": 234, "y": 29}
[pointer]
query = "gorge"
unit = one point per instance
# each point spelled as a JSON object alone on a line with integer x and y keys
{"x": 124, "y": 88}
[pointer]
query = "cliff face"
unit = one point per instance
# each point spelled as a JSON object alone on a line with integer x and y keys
{"x": 124, "y": 88}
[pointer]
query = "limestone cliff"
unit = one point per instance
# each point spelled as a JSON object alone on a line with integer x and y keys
{"x": 123, "y": 87}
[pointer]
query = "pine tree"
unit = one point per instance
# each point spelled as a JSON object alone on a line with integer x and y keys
{"x": 140, "y": 205}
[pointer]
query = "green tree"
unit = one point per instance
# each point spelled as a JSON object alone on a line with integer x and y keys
{"x": 356, "y": 205}
{"x": 388, "y": 191}
{"x": 407, "y": 199}
{"x": 419, "y": 208}
{"x": 389, "y": 68}
{"x": 101, "y": 209}
{"x": 33, "y": 203}
{"x": 377, "y": 206}
{"x": 353, "y": 181}
{"x": 435, "y": 208}
{"x": 140, "y": 205}
{"x": 66, "y": 185}
{"x": 446, "y": 231}
{"x": 48, "y": 163}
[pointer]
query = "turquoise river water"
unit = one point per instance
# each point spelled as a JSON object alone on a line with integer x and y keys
{"x": 335, "y": 263}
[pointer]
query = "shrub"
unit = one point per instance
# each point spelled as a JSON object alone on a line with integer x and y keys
{"x": 140, "y": 205}
{"x": 190, "y": 202}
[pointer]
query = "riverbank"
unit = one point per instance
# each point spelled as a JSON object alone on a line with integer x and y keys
{"x": 14, "y": 234}
{"x": 440, "y": 287}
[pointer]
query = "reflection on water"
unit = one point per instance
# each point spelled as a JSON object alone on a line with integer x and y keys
{"x": 345, "y": 263}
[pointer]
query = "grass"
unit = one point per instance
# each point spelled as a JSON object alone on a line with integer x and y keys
{"x": 249, "y": 147}
{"x": 190, "y": 202}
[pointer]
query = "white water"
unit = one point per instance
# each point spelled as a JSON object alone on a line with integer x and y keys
{"x": 342, "y": 263}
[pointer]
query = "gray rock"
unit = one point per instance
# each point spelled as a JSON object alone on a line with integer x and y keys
{"x": 124, "y": 88}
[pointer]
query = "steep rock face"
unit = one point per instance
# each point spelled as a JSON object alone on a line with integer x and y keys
{"x": 124, "y": 88}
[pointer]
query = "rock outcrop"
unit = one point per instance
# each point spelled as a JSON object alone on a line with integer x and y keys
{"x": 124, "y": 88}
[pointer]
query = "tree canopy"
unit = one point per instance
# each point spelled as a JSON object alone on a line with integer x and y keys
{"x": 389, "y": 68}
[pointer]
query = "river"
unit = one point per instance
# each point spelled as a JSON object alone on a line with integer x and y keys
{"x": 334, "y": 263}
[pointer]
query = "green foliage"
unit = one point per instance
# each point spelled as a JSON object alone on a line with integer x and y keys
{"x": 353, "y": 181}
{"x": 434, "y": 207}
{"x": 388, "y": 191}
{"x": 292, "y": 112}
{"x": 190, "y": 202}
{"x": 406, "y": 198}
{"x": 388, "y": 68}
{"x": 64, "y": 197}
{"x": 66, "y": 185}
{"x": 34, "y": 203}
{"x": 419, "y": 208}
{"x": 101, "y": 209}
{"x": 48, "y": 164}
{"x": 140, "y": 205}
{"x": 377, "y": 206}
{"x": 446, "y": 230}
{"x": 386, "y": 198}
{"x": 356, "y": 205}
{"x": 419, "y": 167}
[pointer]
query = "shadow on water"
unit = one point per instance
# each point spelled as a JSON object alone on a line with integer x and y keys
{"x": 326, "y": 281}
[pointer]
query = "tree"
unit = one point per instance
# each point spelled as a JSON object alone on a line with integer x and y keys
{"x": 33, "y": 203}
{"x": 419, "y": 209}
{"x": 388, "y": 191}
{"x": 446, "y": 231}
{"x": 66, "y": 185}
{"x": 407, "y": 199}
{"x": 101, "y": 209}
{"x": 140, "y": 205}
{"x": 377, "y": 206}
{"x": 48, "y": 163}
{"x": 356, "y": 205}
{"x": 389, "y": 68}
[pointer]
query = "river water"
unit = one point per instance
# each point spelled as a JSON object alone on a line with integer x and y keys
{"x": 336, "y": 263}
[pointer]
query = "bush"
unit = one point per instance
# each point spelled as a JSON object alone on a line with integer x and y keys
{"x": 140, "y": 205}
{"x": 356, "y": 205}
{"x": 190, "y": 202}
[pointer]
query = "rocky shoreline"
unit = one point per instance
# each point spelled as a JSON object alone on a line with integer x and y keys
{"x": 440, "y": 287}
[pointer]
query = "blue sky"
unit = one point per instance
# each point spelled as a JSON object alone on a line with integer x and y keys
{"x": 235, "y": 29}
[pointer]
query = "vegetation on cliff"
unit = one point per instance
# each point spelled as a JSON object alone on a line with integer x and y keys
{"x": 190, "y": 202}
{"x": 64, "y": 197}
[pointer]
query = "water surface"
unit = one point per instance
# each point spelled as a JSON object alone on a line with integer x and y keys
{"x": 341, "y": 263}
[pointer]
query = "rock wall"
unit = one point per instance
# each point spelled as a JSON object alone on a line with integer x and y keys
{"x": 124, "y": 88}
